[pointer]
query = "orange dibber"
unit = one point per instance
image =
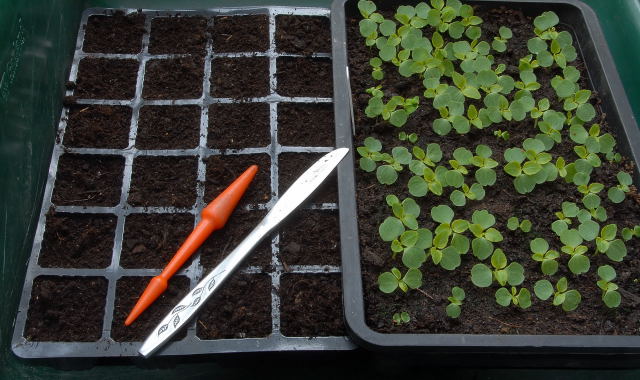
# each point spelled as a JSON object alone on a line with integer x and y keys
{"x": 214, "y": 217}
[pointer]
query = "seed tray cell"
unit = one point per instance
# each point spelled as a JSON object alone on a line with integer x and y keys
{"x": 136, "y": 200}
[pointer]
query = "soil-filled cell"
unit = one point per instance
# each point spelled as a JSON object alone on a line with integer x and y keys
{"x": 128, "y": 290}
{"x": 241, "y": 33}
{"x": 303, "y": 34}
{"x": 66, "y": 309}
{"x": 178, "y": 35}
{"x": 222, "y": 170}
{"x": 225, "y": 240}
{"x": 101, "y": 78}
{"x": 309, "y": 77}
{"x": 177, "y": 78}
{"x": 311, "y": 305}
{"x": 77, "y": 240}
{"x": 118, "y": 33}
{"x": 163, "y": 181}
{"x": 301, "y": 124}
{"x": 151, "y": 240}
{"x": 168, "y": 127}
{"x": 240, "y": 78}
{"x": 238, "y": 125}
{"x": 292, "y": 165}
{"x": 311, "y": 237}
{"x": 91, "y": 126}
{"x": 88, "y": 180}
{"x": 241, "y": 308}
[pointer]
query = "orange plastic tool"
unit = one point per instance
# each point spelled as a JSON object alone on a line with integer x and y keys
{"x": 214, "y": 217}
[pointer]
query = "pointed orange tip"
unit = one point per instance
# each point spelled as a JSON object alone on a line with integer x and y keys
{"x": 156, "y": 287}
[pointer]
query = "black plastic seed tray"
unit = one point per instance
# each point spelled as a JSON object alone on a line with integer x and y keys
{"x": 539, "y": 350}
{"x": 108, "y": 199}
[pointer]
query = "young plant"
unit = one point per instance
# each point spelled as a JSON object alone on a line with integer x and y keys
{"x": 459, "y": 197}
{"x": 499, "y": 42}
{"x": 629, "y": 233}
{"x": 484, "y": 234}
{"x": 482, "y": 276}
{"x": 425, "y": 178}
{"x": 376, "y": 65}
{"x": 547, "y": 257}
{"x": 457, "y": 296}
{"x": 616, "y": 194}
{"x": 500, "y": 134}
{"x": 400, "y": 318}
{"x": 569, "y": 299}
{"x": 569, "y": 210}
{"x": 579, "y": 262}
{"x": 485, "y": 174}
{"x": 514, "y": 223}
{"x": 449, "y": 242}
{"x": 606, "y": 243}
{"x": 521, "y": 298}
{"x": 388, "y": 282}
{"x": 412, "y": 137}
{"x": 387, "y": 173}
{"x": 396, "y": 110}
{"x": 529, "y": 166}
{"x": 610, "y": 295}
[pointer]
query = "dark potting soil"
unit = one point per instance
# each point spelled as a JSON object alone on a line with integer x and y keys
{"x": 128, "y": 290}
{"x": 241, "y": 308}
{"x": 223, "y": 241}
{"x": 118, "y": 33}
{"x": 238, "y": 125}
{"x": 303, "y": 34}
{"x": 168, "y": 127}
{"x": 176, "y": 78}
{"x": 239, "y": 78}
{"x": 151, "y": 240}
{"x": 310, "y": 237}
{"x": 98, "y": 126}
{"x": 305, "y": 77}
{"x": 66, "y": 309}
{"x": 163, "y": 181}
{"x": 311, "y": 305}
{"x": 480, "y": 313}
{"x": 292, "y": 165}
{"x": 302, "y": 124}
{"x": 101, "y": 78}
{"x": 222, "y": 170}
{"x": 248, "y": 33}
{"x": 77, "y": 240}
{"x": 88, "y": 180}
{"x": 178, "y": 35}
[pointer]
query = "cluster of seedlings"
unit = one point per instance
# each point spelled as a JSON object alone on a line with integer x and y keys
{"x": 441, "y": 45}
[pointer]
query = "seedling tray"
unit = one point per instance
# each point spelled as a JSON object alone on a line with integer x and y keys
{"x": 482, "y": 349}
{"x": 144, "y": 143}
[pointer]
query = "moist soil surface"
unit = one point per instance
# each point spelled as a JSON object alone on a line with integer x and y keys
{"x": 311, "y": 305}
{"x": 241, "y": 308}
{"x": 77, "y": 241}
{"x": 66, "y": 309}
{"x": 98, "y": 127}
{"x": 301, "y": 76}
{"x": 178, "y": 35}
{"x": 239, "y": 78}
{"x": 101, "y": 78}
{"x": 177, "y": 78}
{"x": 238, "y": 125}
{"x": 222, "y": 170}
{"x": 118, "y": 34}
{"x": 480, "y": 312}
{"x": 302, "y": 124}
{"x": 248, "y": 33}
{"x": 168, "y": 127}
{"x": 128, "y": 290}
{"x": 310, "y": 237}
{"x": 163, "y": 181}
{"x": 88, "y": 180}
{"x": 303, "y": 34}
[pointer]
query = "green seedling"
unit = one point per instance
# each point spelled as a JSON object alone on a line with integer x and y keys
{"x": 457, "y": 296}
{"x": 500, "y": 41}
{"x": 514, "y": 223}
{"x": 376, "y": 65}
{"x": 569, "y": 210}
{"x": 485, "y": 174}
{"x": 528, "y": 63}
{"x": 411, "y": 137}
{"x": 425, "y": 179}
{"x": 592, "y": 188}
{"x": 610, "y": 295}
{"x": 569, "y": 299}
{"x": 401, "y": 318}
{"x": 387, "y": 174}
{"x": 547, "y": 257}
{"x": 529, "y": 166}
{"x": 461, "y": 158}
{"x": 500, "y": 134}
{"x": 521, "y": 298}
{"x": 579, "y": 262}
{"x": 528, "y": 81}
{"x": 396, "y": 110}
{"x": 482, "y": 276}
{"x": 484, "y": 234}
{"x": 459, "y": 197}
{"x": 550, "y": 127}
{"x": 629, "y": 233}
{"x": 592, "y": 143}
{"x": 449, "y": 242}
{"x": 616, "y": 194}
{"x": 370, "y": 154}
{"x": 538, "y": 111}
{"x": 606, "y": 243}
{"x": 538, "y": 47}
{"x": 388, "y": 282}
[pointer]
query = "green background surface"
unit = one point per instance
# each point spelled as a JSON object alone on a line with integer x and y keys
{"x": 37, "y": 39}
